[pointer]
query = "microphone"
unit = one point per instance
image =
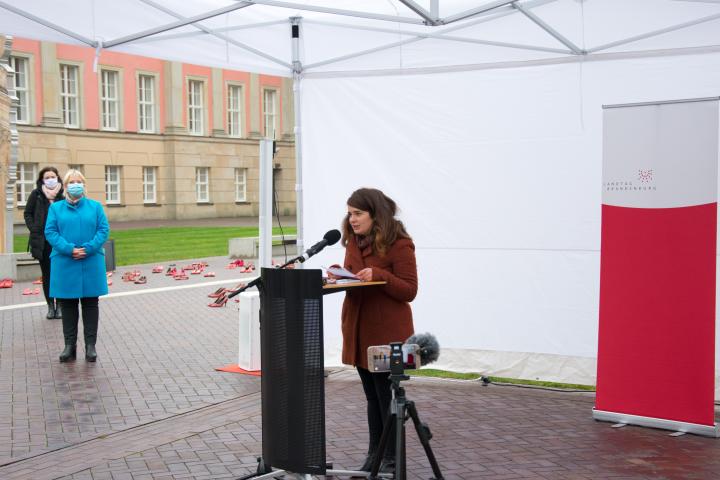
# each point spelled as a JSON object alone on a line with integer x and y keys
{"x": 330, "y": 238}
{"x": 429, "y": 347}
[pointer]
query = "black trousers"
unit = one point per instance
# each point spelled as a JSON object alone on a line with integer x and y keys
{"x": 379, "y": 395}
{"x": 45, "y": 269}
{"x": 70, "y": 317}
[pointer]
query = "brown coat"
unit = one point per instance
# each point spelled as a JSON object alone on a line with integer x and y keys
{"x": 378, "y": 315}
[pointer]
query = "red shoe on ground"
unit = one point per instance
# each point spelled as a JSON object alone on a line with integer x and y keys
{"x": 219, "y": 302}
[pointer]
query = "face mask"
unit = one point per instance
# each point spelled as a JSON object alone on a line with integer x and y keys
{"x": 76, "y": 189}
{"x": 51, "y": 182}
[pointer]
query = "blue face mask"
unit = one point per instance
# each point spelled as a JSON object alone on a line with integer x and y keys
{"x": 76, "y": 189}
{"x": 51, "y": 182}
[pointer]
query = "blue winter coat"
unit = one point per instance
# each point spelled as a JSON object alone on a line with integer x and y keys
{"x": 74, "y": 226}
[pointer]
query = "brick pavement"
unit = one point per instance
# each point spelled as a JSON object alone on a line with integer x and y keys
{"x": 154, "y": 408}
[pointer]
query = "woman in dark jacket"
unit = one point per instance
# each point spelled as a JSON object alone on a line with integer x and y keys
{"x": 377, "y": 247}
{"x": 49, "y": 189}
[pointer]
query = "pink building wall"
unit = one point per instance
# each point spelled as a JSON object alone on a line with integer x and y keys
{"x": 130, "y": 66}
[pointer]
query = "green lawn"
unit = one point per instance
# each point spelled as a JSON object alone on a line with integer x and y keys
{"x": 150, "y": 245}
{"x": 430, "y": 372}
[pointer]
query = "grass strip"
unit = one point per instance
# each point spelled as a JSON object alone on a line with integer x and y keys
{"x": 152, "y": 245}
{"x": 430, "y": 372}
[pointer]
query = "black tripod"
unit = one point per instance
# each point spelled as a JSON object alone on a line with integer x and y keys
{"x": 400, "y": 409}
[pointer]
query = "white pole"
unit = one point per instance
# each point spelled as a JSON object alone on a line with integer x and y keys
{"x": 297, "y": 78}
{"x": 12, "y": 164}
{"x": 266, "y": 203}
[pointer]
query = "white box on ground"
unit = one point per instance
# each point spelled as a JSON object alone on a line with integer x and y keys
{"x": 249, "y": 331}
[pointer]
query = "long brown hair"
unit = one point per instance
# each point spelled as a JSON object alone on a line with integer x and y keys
{"x": 382, "y": 209}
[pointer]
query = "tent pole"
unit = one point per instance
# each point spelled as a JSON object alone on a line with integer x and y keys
{"x": 297, "y": 79}
{"x": 50, "y": 25}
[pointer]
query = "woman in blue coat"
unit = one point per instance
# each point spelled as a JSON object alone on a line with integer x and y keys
{"x": 77, "y": 229}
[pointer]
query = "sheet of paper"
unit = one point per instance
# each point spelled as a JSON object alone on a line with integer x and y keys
{"x": 341, "y": 272}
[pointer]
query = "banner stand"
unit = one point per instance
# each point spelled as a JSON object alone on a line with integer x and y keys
{"x": 694, "y": 428}
{"x": 658, "y": 272}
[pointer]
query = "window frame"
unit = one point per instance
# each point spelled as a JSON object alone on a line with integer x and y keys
{"x": 273, "y": 114}
{"x": 238, "y": 198}
{"x": 153, "y": 105}
{"x": 108, "y": 183}
{"x": 24, "y": 186}
{"x": 77, "y": 68}
{"x": 199, "y": 184}
{"x": 106, "y": 101}
{"x": 26, "y": 91}
{"x": 153, "y": 184}
{"x": 239, "y": 112}
{"x": 193, "y": 119}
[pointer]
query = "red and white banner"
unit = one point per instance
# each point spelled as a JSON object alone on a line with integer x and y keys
{"x": 656, "y": 342}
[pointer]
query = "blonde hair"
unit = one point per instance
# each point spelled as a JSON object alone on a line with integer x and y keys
{"x": 73, "y": 173}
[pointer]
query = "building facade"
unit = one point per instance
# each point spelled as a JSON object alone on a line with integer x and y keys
{"x": 155, "y": 139}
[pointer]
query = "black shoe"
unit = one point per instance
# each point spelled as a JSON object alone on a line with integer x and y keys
{"x": 90, "y": 353}
{"x": 51, "y": 312}
{"x": 70, "y": 353}
{"x": 58, "y": 312}
{"x": 387, "y": 466}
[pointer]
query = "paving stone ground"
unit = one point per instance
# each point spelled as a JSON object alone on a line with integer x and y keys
{"x": 153, "y": 407}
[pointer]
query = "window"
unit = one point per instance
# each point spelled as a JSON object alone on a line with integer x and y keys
{"x": 234, "y": 111}
{"x": 22, "y": 88}
{"x": 195, "y": 107}
{"x": 146, "y": 104}
{"x": 112, "y": 184}
{"x": 240, "y": 184}
{"x": 270, "y": 112}
{"x": 110, "y": 99}
{"x": 149, "y": 184}
{"x": 26, "y": 173}
{"x": 202, "y": 184}
{"x": 69, "y": 95}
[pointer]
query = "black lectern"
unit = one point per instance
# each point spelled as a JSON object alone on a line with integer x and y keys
{"x": 293, "y": 384}
{"x": 293, "y": 376}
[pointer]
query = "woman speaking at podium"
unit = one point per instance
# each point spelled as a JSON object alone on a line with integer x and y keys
{"x": 377, "y": 248}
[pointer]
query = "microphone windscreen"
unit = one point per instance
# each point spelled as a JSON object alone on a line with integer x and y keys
{"x": 332, "y": 237}
{"x": 429, "y": 347}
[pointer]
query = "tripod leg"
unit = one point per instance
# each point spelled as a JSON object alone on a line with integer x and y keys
{"x": 422, "y": 431}
{"x": 384, "y": 438}
{"x": 400, "y": 464}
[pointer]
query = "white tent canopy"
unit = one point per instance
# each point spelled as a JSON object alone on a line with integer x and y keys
{"x": 372, "y": 35}
{"x": 482, "y": 119}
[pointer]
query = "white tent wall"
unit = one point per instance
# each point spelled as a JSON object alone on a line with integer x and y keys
{"x": 498, "y": 176}
{"x": 497, "y": 170}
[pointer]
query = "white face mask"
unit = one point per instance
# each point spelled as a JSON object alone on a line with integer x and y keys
{"x": 51, "y": 182}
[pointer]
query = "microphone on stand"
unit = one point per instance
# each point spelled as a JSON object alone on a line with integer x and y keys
{"x": 330, "y": 238}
